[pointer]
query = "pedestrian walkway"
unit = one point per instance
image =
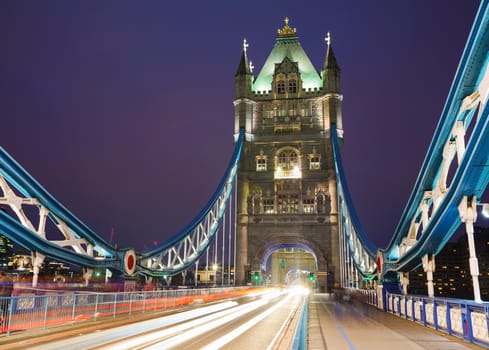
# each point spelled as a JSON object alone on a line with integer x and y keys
{"x": 351, "y": 325}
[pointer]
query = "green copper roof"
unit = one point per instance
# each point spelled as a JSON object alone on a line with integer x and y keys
{"x": 291, "y": 48}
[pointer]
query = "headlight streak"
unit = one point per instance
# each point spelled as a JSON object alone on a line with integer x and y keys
{"x": 274, "y": 341}
{"x": 219, "y": 343}
{"x": 113, "y": 336}
{"x": 189, "y": 329}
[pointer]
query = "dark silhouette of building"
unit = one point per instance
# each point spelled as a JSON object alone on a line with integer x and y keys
{"x": 452, "y": 277}
{"x": 6, "y": 253}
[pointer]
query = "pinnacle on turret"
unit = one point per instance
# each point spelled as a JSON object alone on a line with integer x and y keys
{"x": 243, "y": 79}
{"x": 244, "y": 67}
{"x": 331, "y": 71}
{"x": 330, "y": 60}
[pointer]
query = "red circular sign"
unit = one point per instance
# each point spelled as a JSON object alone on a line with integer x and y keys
{"x": 130, "y": 262}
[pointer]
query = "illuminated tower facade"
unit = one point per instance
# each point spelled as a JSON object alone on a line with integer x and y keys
{"x": 287, "y": 206}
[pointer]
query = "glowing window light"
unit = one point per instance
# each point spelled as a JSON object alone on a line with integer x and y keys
{"x": 294, "y": 173}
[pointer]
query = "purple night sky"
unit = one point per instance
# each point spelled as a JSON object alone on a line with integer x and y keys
{"x": 123, "y": 110}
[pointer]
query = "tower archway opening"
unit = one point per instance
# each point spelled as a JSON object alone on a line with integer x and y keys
{"x": 290, "y": 265}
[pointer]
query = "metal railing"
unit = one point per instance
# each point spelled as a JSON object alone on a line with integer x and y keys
{"x": 300, "y": 335}
{"x": 465, "y": 319}
{"x": 31, "y": 311}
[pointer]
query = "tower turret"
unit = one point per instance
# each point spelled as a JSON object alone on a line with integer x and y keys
{"x": 331, "y": 74}
{"x": 243, "y": 105}
{"x": 287, "y": 209}
{"x": 243, "y": 78}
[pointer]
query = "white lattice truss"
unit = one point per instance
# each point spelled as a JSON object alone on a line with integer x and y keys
{"x": 455, "y": 145}
{"x": 191, "y": 246}
{"x": 16, "y": 203}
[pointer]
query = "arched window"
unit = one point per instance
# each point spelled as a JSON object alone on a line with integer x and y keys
{"x": 287, "y": 159}
{"x": 288, "y": 165}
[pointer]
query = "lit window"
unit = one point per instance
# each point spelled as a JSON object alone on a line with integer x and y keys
{"x": 268, "y": 206}
{"x": 314, "y": 163}
{"x": 288, "y": 204}
{"x": 287, "y": 159}
{"x": 261, "y": 163}
{"x": 288, "y": 165}
{"x": 308, "y": 206}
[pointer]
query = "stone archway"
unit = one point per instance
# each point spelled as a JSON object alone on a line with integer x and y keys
{"x": 286, "y": 253}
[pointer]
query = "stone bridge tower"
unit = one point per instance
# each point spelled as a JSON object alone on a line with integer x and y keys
{"x": 287, "y": 221}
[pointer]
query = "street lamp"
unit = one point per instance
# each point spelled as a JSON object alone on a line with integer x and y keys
{"x": 485, "y": 209}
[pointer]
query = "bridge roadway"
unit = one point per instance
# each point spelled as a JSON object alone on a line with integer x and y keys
{"x": 257, "y": 322}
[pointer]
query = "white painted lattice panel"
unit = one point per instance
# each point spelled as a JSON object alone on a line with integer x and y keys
{"x": 456, "y": 320}
{"x": 430, "y": 314}
{"x": 441, "y": 313}
{"x": 409, "y": 311}
{"x": 417, "y": 310}
{"x": 479, "y": 326}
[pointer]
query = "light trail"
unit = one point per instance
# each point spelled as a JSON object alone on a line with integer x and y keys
{"x": 219, "y": 343}
{"x": 105, "y": 336}
{"x": 181, "y": 333}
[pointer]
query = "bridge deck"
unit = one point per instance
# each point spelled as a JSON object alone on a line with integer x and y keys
{"x": 350, "y": 325}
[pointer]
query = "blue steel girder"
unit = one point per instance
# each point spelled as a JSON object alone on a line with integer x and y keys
{"x": 75, "y": 243}
{"x": 461, "y": 141}
{"x": 31, "y": 217}
{"x": 28, "y": 239}
{"x": 362, "y": 250}
{"x": 185, "y": 248}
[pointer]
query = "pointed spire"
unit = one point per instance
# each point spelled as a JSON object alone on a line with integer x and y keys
{"x": 244, "y": 67}
{"x": 331, "y": 72}
{"x": 330, "y": 61}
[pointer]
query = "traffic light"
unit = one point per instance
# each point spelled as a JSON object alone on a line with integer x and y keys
{"x": 256, "y": 276}
{"x": 311, "y": 276}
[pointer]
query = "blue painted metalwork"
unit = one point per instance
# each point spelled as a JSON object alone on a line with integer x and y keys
{"x": 350, "y": 223}
{"x": 180, "y": 252}
{"x": 472, "y": 174}
{"x": 23, "y": 232}
{"x": 432, "y": 214}
{"x": 299, "y": 341}
{"x": 16, "y": 175}
{"x": 461, "y": 318}
{"x": 433, "y": 205}
{"x": 32, "y": 241}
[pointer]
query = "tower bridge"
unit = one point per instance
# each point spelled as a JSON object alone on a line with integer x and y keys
{"x": 283, "y": 209}
{"x": 286, "y": 181}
